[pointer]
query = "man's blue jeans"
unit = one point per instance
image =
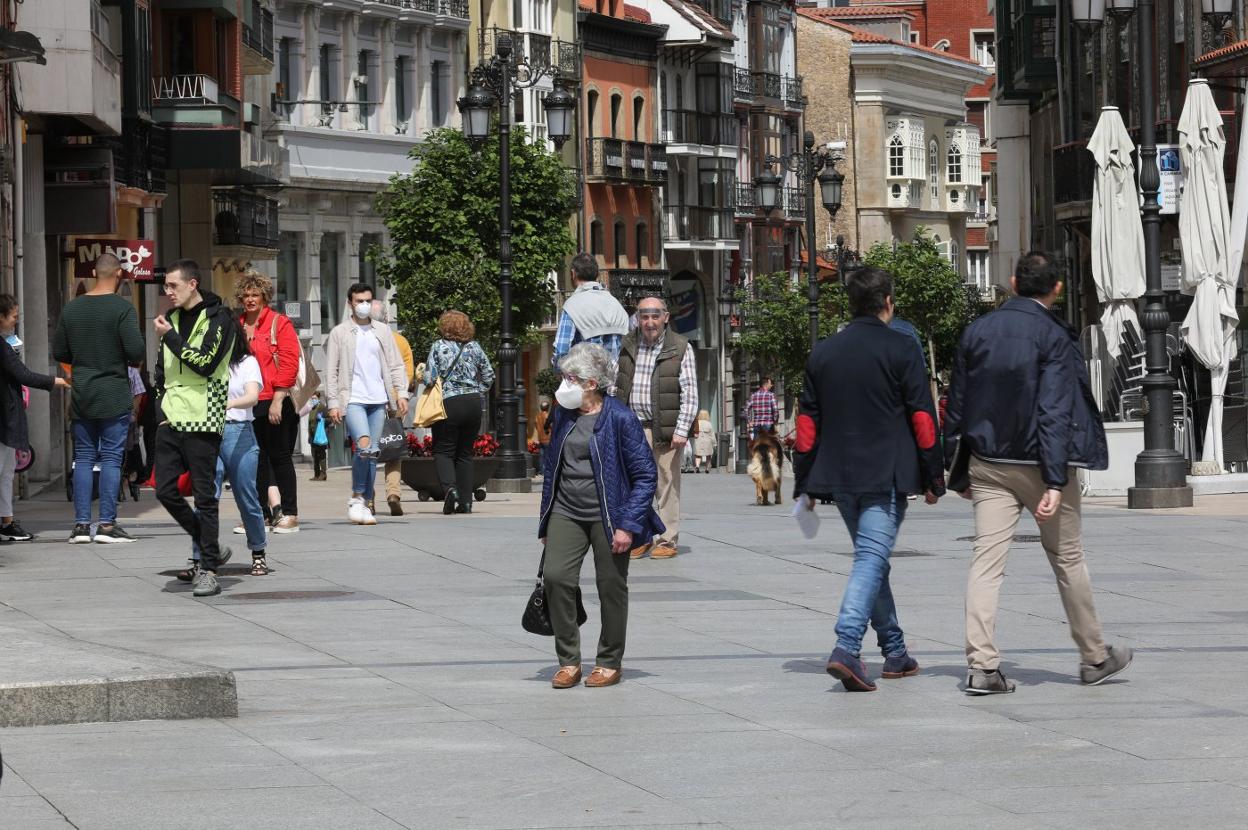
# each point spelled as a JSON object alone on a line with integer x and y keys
{"x": 238, "y": 459}
{"x": 99, "y": 441}
{"x": 873, "y": 520}
{"x": 365, "y": 420}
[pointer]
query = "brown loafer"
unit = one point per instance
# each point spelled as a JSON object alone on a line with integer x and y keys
{"x": 600, "y": 677}
{"x": 639, "y": 551}
{"x": 566, "y": 677}
{"x": 663, "y": 550}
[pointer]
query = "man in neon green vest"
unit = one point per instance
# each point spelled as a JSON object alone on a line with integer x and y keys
{"x": 192, "y": 381}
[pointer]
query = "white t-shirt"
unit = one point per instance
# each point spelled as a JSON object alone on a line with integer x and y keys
{"x": 242, "y": 373}
{"x": 367, "y": 384}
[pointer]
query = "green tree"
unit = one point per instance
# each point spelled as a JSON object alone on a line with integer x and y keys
{"x": 776, "y": 330}
{"x": 928, "y": 292}
{"x": 443, "y": 223}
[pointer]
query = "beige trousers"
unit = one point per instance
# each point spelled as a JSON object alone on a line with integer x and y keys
{"x": 667, "y": 495}
{"x": 394, "y": 478}
{"x": 1000, "y": 493}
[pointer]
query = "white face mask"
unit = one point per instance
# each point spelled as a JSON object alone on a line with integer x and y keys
{"x": 569, "y": 395}
{"x": 363, "y": 310}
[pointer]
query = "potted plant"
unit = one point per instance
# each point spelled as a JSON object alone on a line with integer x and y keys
{"x": 420, "y": 473}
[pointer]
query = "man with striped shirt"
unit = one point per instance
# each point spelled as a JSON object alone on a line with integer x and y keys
{"x": 658, "y": 379}
{"x": 762, "y": 411}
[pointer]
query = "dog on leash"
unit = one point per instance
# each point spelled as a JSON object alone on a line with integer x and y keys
{"x": 766, "y": 466}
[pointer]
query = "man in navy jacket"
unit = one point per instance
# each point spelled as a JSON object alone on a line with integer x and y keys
{"x": 866, "y": 437}
{"x": 1021, "y": 403}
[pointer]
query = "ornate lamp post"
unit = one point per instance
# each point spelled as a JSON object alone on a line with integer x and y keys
{"x": 811, "y": 165}
{"x": 494, "y": 83}
{"x": 1160, "y": 469}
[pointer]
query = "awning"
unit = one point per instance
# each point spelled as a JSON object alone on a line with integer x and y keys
{"x": 17, "y": 47}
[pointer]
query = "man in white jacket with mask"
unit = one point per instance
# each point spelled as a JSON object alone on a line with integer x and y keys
{"x": 363, "y": 371}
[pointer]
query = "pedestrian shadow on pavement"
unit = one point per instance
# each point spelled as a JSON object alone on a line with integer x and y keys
{"x": 811, "y": 666}
{"x": 1023, "y": 677}
{"x": 545, "y": 675}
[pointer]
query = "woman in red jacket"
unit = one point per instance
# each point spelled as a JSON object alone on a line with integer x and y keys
{"x": 275, "y": 344}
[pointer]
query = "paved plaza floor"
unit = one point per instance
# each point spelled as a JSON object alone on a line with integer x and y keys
{"x": 384, "y": 680}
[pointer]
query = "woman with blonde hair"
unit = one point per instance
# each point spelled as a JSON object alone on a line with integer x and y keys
{"x": 275, "y": 345}
{"x": 466, "y": 375}
{"x": 703, "y": 441}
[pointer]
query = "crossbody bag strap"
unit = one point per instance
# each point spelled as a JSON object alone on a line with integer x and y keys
{"x": 273, "y": 342}
{"x": 454, "y": 363}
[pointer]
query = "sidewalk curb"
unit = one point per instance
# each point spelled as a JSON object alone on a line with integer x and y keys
{"x": 47, "y": 680}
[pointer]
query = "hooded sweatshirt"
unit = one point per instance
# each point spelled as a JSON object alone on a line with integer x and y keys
{"x": 192, "y": 376}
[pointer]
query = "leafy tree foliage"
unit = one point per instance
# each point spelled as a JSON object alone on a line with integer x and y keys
{"x": 928, "y": 292}
{"x": 444, "y": 234}
{"x": 776, "y": 331}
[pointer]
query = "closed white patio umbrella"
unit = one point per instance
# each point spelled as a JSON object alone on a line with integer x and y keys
{"x": 1117, "y": 233}
{"x": 1205, "y": 231}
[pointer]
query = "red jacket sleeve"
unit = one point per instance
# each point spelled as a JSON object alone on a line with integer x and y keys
{"x": 287, "y": 354}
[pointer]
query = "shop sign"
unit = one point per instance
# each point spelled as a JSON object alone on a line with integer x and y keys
{"x": 1170, "y": 168}
{"x": 138, "y": 256}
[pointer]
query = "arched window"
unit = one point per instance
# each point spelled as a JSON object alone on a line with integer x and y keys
{"x": 954, "y": 174}
{"x": 896, "y": 158}
{"x": 616, "y": 101}
{"x": 639, "y": 109}
{"x": 595, "y": 238}
{"x": 643, "y": 245}
{"x": 621, "y": 244}
{"x": 591, "y": 111}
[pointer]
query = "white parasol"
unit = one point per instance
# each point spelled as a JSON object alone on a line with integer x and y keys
{"x": 1117, "y": 234}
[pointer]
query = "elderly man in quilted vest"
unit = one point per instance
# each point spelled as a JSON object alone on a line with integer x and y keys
{"x": 658, "y": 380}
{"x": 597, "y": 491}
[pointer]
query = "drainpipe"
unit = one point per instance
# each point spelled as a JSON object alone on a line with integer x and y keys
{"x": 19, "y": 218}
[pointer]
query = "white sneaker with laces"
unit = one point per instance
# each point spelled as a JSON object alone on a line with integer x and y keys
{"x": 356, "y": 510}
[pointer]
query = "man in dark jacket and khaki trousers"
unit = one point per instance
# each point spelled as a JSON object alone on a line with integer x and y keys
{"x": 658, "y": 380}
{"x": 1021, "y": 407}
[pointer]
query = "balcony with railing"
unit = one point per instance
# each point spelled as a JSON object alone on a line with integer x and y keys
{"x": 794, "y": 203}
{"x": 767, "y": 85}
{"x": 613, "y": 159}
{"x": 244, "y": 219}
{"x": 631, "y": 285}
{"x": 707, "y": 129}
{"x": 743, "y": 202}
{"x": 743, "y": 86}
{"x": 539, "y": 50}
{"x": 192, "y": 101}
{"x": 693, "y": 224}
{"x": 791, "y": 91}
{"x": 258, "y": 40}
{"x": 140, "y": 155}
{"x": 1074, "y": 172}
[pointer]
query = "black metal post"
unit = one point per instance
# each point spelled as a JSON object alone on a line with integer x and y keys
{"x": 812, "y": 270}
{"x": 511, "y": 459}
{"x": 1160, "y": 470}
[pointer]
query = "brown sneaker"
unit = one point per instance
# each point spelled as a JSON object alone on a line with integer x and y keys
{"x": 566, "y": 677}
{"x": 663, "y": 550}
{"x": 639, "y": 551}
{"x": 287, "y": 524}
{"x": 396, "y": 505}
{"x": 600, "y": 677}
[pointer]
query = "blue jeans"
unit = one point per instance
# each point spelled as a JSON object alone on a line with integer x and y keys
{"x": 238, "y": 459}
{"x": 873, "y": 520}
{"x": 99, "y": 441}
{"x": 365, "y": 420}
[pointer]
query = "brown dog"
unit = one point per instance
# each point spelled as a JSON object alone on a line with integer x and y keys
{"x": 766, "y": 466}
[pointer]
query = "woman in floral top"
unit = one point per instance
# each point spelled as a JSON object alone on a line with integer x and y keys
{"x": 466, "y": 375}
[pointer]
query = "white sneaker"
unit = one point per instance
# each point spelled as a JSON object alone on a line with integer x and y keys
{"x": 356, "y": 510}
{"x": 366, "y": 516}
{"x": 240, "y": 530}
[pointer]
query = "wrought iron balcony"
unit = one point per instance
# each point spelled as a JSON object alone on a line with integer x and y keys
{"x": 743, "y": 200}
{"x": 689, "y": 127}
{"x": 631, "y": 285}
{"x": 690, "y": 223}
{"x": 767, "y": 85}
{"x": 258, "y": 35}
{"x": 1074, "y": 172}
{"x": 140, "y": 155}
{"x": 743, "y": 85}
{"x": 243, "y": 218}
{"x": 539, "y": 50}
{"x": 627, "y": 161}
{"x": 792, "y": 92}
{"x": 795, "y": 203}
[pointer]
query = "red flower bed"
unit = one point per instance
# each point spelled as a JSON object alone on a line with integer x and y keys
{"x": 419, "y": 448}
{"x": 485, "y": 445}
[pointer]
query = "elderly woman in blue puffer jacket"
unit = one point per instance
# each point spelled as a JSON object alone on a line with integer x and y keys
{"x": 597, "y": 491}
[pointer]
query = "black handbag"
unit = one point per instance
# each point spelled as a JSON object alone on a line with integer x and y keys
{"x": 536, "y": 617}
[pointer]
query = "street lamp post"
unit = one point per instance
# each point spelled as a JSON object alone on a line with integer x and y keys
{"x": 811, "y": 165}
{"x": 494, "y": 83}
{"x": 1160, "y": 469}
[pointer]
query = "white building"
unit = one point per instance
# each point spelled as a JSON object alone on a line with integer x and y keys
{"x": 356, "y": 87}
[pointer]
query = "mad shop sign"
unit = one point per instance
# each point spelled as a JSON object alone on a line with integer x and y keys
{"x": 138, "y": 256}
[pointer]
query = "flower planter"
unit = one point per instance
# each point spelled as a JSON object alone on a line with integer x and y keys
{"x": 422, "y": 476}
